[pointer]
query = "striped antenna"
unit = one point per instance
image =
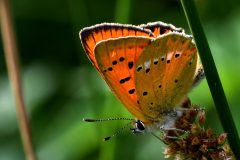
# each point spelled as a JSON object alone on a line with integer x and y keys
{"x": 107, "y": 119}
{"x": 117, "y": 132}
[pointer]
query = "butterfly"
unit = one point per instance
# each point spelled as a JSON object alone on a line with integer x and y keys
{"x": 150, "y": 67}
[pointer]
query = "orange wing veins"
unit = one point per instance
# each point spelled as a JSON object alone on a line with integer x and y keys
{"x": 90, "y": 36}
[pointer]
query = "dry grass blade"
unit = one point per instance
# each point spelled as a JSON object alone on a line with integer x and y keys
{"x": 11, "y": 55}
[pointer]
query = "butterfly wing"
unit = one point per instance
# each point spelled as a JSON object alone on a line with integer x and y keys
{"x": 160, "y": 28}
{"x": 116, "y": 59}
{"x": 90, "y": 36}
{"x": 164, "y": 73}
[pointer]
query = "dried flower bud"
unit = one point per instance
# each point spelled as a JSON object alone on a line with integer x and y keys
{"x": 222, "y": 138}
{"x": 198, "y": 143}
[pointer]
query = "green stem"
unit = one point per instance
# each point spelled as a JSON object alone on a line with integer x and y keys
{"x": 212, "y": 76}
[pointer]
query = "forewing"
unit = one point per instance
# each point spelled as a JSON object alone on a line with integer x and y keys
{"x": 164, "y": 73}
{"x": 116, "y": 59}
{"x": 90, "y": 36}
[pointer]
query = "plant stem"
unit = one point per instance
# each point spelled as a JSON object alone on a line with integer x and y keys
{"x": 11, "y": 55}
{"x": 212, "y": 76}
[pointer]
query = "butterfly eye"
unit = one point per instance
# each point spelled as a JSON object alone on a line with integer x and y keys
{"x": 139, "y": 125}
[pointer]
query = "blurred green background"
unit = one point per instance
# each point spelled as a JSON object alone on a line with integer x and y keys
{"x": 61, "y": 86}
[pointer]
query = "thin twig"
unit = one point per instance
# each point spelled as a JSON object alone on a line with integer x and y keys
{"x": 11, "y": 55}
{"x": 212, "y": 76}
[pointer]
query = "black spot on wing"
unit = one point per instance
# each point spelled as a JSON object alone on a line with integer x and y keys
{"x": 139, "y": 68}
{"x": 147, "y": 70}
{"x": 121, "y": 59}
{"x": 124, "y": 80}
{"x": 127, "y": 78}
{"x": 145, "y": 93}
{"x": 131, "y": 91}
{"x": 142, "y": 46}
{"x": 177, "y": 55}
{"x": 114, "y": 62}
{"x": 110, "y": 69}
{"x": 130, "y": 65}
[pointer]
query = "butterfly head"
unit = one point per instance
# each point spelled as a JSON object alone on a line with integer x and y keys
{"x": 139, "y": 127}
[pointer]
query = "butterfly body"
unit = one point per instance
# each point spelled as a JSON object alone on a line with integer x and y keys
{"x": 150, "y": 68}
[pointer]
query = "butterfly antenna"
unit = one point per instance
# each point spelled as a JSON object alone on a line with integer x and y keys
{"x": 107, "y": 119}
{"x": 117, "y": 132}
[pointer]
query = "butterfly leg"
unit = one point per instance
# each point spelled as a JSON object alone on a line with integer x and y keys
{"x": 164, "y": 137}
{"x": 187, "y": 106}
{"x": 188, "y": 109}
{"x": 176, "y": 131}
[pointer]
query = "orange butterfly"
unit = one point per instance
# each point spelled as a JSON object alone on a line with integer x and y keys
{"x": 150, "y": 68}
